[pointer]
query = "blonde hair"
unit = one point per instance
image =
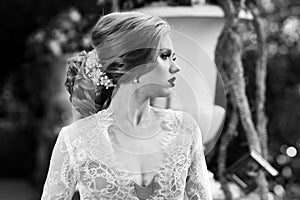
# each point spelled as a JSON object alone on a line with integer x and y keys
{"x": 127, "y": 43}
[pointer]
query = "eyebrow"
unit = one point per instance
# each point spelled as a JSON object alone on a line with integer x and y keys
{"x": 168, "y": 50}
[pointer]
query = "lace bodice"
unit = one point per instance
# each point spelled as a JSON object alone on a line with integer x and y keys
{"x": 87, "y": 158}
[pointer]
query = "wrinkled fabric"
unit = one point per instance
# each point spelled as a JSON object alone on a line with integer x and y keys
{"x": 87, "y": 158}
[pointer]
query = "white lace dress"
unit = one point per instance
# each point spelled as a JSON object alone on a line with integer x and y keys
{"x": 87, "y": 158}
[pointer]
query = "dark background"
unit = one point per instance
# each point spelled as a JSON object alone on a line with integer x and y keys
{"x": 30, "y": 118}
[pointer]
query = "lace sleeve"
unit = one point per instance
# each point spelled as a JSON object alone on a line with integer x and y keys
{"x": 60, "y": 181}
{"x": 198, "y": 184}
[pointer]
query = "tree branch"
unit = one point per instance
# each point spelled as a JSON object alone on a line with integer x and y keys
{"x": 228, "y": 57}
{"x": 226, "y": 139}
{"x": 261, "y": 71}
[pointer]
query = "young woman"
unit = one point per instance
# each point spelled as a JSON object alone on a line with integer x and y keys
{"x": 122, "y": 147}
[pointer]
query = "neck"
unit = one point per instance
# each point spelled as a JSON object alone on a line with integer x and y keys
{"x": 131, "y": 108}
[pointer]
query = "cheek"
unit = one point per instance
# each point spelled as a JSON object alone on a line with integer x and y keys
{"x": 161, "y": 71}
{"x": 159, "y": 74}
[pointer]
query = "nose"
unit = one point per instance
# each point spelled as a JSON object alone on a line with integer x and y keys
{"x": 174, "y": 68}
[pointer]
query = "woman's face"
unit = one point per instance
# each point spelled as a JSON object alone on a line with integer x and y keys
{"x": 158, "y": 82}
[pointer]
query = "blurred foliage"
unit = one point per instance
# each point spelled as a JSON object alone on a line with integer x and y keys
{"x": 283, "y": 91}
{"x": 34, "y": 33}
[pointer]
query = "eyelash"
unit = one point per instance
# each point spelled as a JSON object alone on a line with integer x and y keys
{"x": 167, "y": 55}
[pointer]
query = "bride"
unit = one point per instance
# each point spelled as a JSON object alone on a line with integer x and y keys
{"x": 121, "y": 147}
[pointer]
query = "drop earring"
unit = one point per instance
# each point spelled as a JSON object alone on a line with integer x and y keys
{"x": 136, "y": 80}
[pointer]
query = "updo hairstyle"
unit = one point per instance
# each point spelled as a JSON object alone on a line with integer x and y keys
{"x": 127, "y": 46}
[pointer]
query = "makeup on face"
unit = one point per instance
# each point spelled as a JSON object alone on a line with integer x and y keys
{"x": 167, "y": 53}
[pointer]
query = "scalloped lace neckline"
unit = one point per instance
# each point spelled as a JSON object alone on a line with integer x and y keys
{"x": 167, "y": 116}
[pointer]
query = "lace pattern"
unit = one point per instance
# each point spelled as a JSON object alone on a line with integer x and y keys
{"x": 197, "y": 185}
{"x": 83, "y": 156}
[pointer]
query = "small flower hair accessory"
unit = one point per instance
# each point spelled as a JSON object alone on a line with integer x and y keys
{"x": 93, "y": 69}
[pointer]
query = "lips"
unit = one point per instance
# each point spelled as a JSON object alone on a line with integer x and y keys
{"x": 172, "y": 81}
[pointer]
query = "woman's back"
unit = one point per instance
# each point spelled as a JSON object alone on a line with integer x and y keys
{"x": 88, "y": 156}
{"x": 133, "y": 61}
